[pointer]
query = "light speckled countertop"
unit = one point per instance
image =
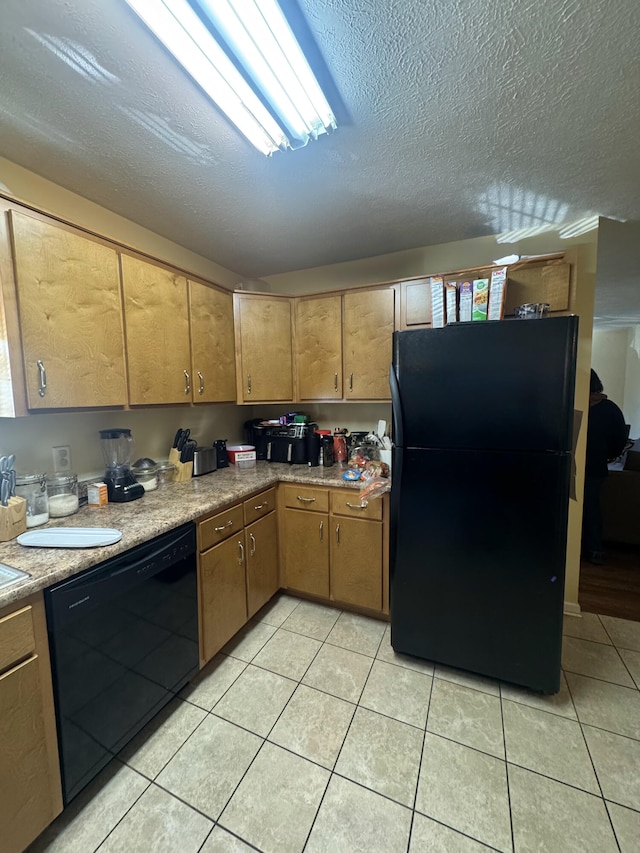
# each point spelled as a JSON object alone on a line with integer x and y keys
{"x": 169, "y": 506}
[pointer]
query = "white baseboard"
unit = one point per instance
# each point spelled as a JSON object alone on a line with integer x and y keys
{"x": 572, "y": 609}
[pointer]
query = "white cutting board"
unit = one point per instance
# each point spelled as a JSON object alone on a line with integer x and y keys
{"x": 70, "y": 537}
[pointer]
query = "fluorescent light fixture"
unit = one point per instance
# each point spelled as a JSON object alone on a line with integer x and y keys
{"x": 258, "y": 34}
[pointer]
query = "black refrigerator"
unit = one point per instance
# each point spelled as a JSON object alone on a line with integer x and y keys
{"x": 483, "y": 425}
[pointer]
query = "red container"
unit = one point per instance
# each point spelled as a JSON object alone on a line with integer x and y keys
{"x": 238, "y": 448}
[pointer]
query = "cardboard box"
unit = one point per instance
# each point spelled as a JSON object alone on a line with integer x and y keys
{"x": 497, "y": 293}
{"x": 480, "y": 299}
{"x": 97, "y": 494}
{"x": 466, "y": 301}
{"x": 437, "y": 302}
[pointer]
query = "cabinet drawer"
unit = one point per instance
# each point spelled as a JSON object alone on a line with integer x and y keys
{"x": 17, "y": 639}
{"x": 259, "y": 505}
{"x": 347, "y": 502}
{"x": 219, "y": 527}
{"x": 305, "y": 497}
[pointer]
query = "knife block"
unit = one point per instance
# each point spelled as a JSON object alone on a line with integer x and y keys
{"x": 184, "y": 470}
{"x": 13, "y": 519}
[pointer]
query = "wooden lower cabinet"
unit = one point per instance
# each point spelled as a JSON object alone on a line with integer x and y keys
{"x": 261, "y": 550}
{"x": 337, "y": 554}
{"x": 30, "y": 793}
{"x": 223, "y": 594}
{"x": 356, "y": 562}
{"x": 306, "y": 552}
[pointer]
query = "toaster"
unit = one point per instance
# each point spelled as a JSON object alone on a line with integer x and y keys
{"x": 204, "y": 460}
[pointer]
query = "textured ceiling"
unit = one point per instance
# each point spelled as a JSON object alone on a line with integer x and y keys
{"x": 457, "y": 119}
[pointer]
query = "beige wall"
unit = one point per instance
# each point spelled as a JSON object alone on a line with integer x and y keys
{"x": 616, "y": 360}
{"x": 31, "y": 189}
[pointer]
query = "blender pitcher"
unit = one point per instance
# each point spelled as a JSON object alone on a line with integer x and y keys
{"x": 117, "y": 449}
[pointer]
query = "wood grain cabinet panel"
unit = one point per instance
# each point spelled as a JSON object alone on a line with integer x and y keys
{"x": 306, "y": 552}
{"x": 17, "y": 640}
{"x": 319, "y": 347}
{"x": 157, "y": 333}
{"x": 261, "y": 549}
{"x": 223, "y": 594}
{"x": 368, "y": 326}
{"x": 356, "y": 562}
{"x": 213, "y": 367}
{"x": 70, "y": 311}
{"x": 264, "y": 349}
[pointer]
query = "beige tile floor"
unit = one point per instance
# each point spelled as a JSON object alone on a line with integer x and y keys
{"x": 310, "y": 733}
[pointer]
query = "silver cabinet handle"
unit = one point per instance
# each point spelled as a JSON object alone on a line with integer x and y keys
{"x": 322, "y": 531}
{"x": 42, "y": 385}
{"x": 248, "y": 383}
{"x": 187, "y": 382}
{"x": 253, "y": 545}
{"x": 224, "y": 526}
{"x": 201, "y": 386}
{"x": 337, "y": 534}
{"x": 356, "y": 506}
{"x": 335, "y": 382}
{"x": 351, "y": 382}
{"x": 241, "y": 557}
{"x": 261, "y": 506}
{"x": 305, "y": 500}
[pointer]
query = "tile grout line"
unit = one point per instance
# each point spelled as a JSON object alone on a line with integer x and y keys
{"x": 424, "y": 740}
{"x": 506, "y": 768}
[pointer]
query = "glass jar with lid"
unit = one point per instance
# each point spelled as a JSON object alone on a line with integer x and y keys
{"x": 33, "y": 488}
{"x": 63, "y": 495}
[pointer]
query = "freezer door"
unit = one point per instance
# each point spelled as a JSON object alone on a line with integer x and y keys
{"x": 486, "y": 385}
{"x": 478, "y": 544}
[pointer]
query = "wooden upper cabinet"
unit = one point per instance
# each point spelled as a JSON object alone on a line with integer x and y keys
{"x": 368, "y": 325}
{"x": 319, "y": 347}
{"x": 213, "y": 367}
{"x": 70, "y": 316}
{"x": 264, "y": 350}
{"x": 157, "y": 333}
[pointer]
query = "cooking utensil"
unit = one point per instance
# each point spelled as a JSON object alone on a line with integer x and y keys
{"x": 184, "y": 438}
{"x": 4, "y": 491}
{"x": 177, "y": 439}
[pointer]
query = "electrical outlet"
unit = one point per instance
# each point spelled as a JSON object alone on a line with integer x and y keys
{"x": 61, "y": 458}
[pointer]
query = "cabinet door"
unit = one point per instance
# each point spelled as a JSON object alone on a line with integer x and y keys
{"x": 261, "y": 548}
{"x": 356, "y": 562}
{"x": 157, "y": 333}
{"x": 213, "y": 355}
{"x": 367, "y": 343}
{"x": 70, "y": 317}
{"x": 263, "y": 336}
{"x": 306, "y": 552}
{"x": 26, "y": 806}
{"x": 319, "y": 348}
{"x": 223, "y": 594}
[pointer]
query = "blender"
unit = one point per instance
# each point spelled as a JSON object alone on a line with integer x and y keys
{"x": 117, "y": 449}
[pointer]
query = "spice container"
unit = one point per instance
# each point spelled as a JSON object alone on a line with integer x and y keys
{"x": 63, "y": 495}
{"x": 33, "y": 488}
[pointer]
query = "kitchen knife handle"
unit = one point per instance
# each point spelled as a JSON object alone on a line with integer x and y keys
{"x": 187, "y": 382}
{"x": 201, "y": 386}
{"x": 337, "y": 534}
{"x": 335, "y": 382}
{"x": 253, "y": 545}
{"x": 248, "y": 383}
{"x": 241, "y": 557}
{"x": 42, "y": 389}
{"x": 322, "y": 531}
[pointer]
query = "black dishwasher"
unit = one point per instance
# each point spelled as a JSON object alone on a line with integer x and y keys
{"x": 123, "y": 637}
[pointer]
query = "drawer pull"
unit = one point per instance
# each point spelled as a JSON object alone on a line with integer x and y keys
{"x": 42, "y": 385}
{"x": 322, "y": 531}
{"x": 351, "y": 382}
{"x": 335, "y": 382}
{"x": 241, "y": 557}
{"x": 201, "y": 386}
{"x": 356, "y": 506}
{"x": 253, "y": 545}
{"x": 224, "y": 526}
{"x": 305, "y": 500}
{"x": 337, "y": 534}
{"x": 248, "y": 383}
{"x": 187, "y": 382}
{"x": 261, "y": 506}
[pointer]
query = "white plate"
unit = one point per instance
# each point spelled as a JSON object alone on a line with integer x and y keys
{"x": 70, "y": 537}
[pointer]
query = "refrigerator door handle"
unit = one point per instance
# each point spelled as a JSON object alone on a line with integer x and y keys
{"x": 396, "y": 405}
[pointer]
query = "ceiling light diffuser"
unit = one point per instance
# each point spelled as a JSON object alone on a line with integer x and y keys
{"x": 258, "y": 35}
